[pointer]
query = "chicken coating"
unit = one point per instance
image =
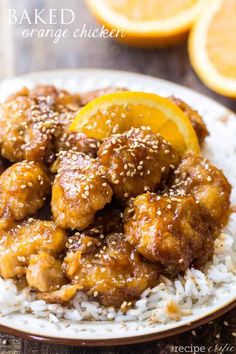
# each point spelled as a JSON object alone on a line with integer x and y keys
{"x": 25, "y": 128}
{"x": 28, "y": 238}
{"x": 168, "y": 230}
{"x": 57, "y": 98}
{"x": 136, "y": 161}
{"x": 196, "y": 176}
{"x": 77, "y": 142}
{"x": 110, "y": 270}
{"x": 61, "y": 296}
{"x": 65, "y": 106}
{"x": 34, "y": 125}
{"x": 196, "y": 120}
{"x": 23, "y": 190}
{"x": 79, "y": 190}
{"x": 44, "y": 272}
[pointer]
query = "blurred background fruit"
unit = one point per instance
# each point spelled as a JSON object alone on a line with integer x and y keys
{"x": 212, "y": 47}
{"x": 148, "y": 23}
{"x": 157, "y": 23}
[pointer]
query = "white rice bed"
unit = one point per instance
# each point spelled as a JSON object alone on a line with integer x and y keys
{"x": 168, "y": 301}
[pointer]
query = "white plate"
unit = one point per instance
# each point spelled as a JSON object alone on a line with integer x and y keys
{"x": 100, "y": 333}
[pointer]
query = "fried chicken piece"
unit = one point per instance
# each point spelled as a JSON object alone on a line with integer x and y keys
{"x": 136, "y": 161}
{"x": 108, "y": 220}
{"x": 66, "y": 106}
{"x": 79, "y": 190}
{"x": 44, "y": 272}
{"x": 25, "y": 128}
{"x": 25, "y": 239}
{"x": 86, "y": 97}
{"x": 61, "y": 100}
{"x": 61, "y": 296}
{"x": 196, "y": 176}
{"x": 34, "y": 125}
{"x": 197, "y": 121}
{"x": 110, "y": 270}
{"x": 168, "y": 230}
{"x": 23, "y": 190}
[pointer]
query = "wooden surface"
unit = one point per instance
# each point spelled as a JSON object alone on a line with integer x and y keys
{"x": 26, "y": 55}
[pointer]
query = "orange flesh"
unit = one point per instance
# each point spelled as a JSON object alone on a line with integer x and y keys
{"x": 221, "y": 43}
{"x": 150, "y": 9}
{"x": 120, "y": 118}
{"x": 118, "y": 112}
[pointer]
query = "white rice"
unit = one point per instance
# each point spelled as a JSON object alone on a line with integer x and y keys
{"x": 168, "y": 301}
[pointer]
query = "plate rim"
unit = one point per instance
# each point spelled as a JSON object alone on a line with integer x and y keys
{"x": 215, "y": 313}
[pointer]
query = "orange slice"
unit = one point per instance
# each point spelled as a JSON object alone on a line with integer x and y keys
{"x": 118, "y": 112}
{"x": 147, "y": 23}
{"x": 212, "y": 47}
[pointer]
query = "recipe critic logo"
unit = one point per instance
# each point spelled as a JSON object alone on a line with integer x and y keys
{"x": 56, "y": 24}
{"x": 217, "y": 348}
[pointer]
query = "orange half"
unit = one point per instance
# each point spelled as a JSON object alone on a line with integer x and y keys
{"x": 147, "y": 23}
{"x": 212, "y": 47}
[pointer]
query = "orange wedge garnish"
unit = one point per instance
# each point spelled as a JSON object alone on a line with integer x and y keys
{"x": 118, "y": 112}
